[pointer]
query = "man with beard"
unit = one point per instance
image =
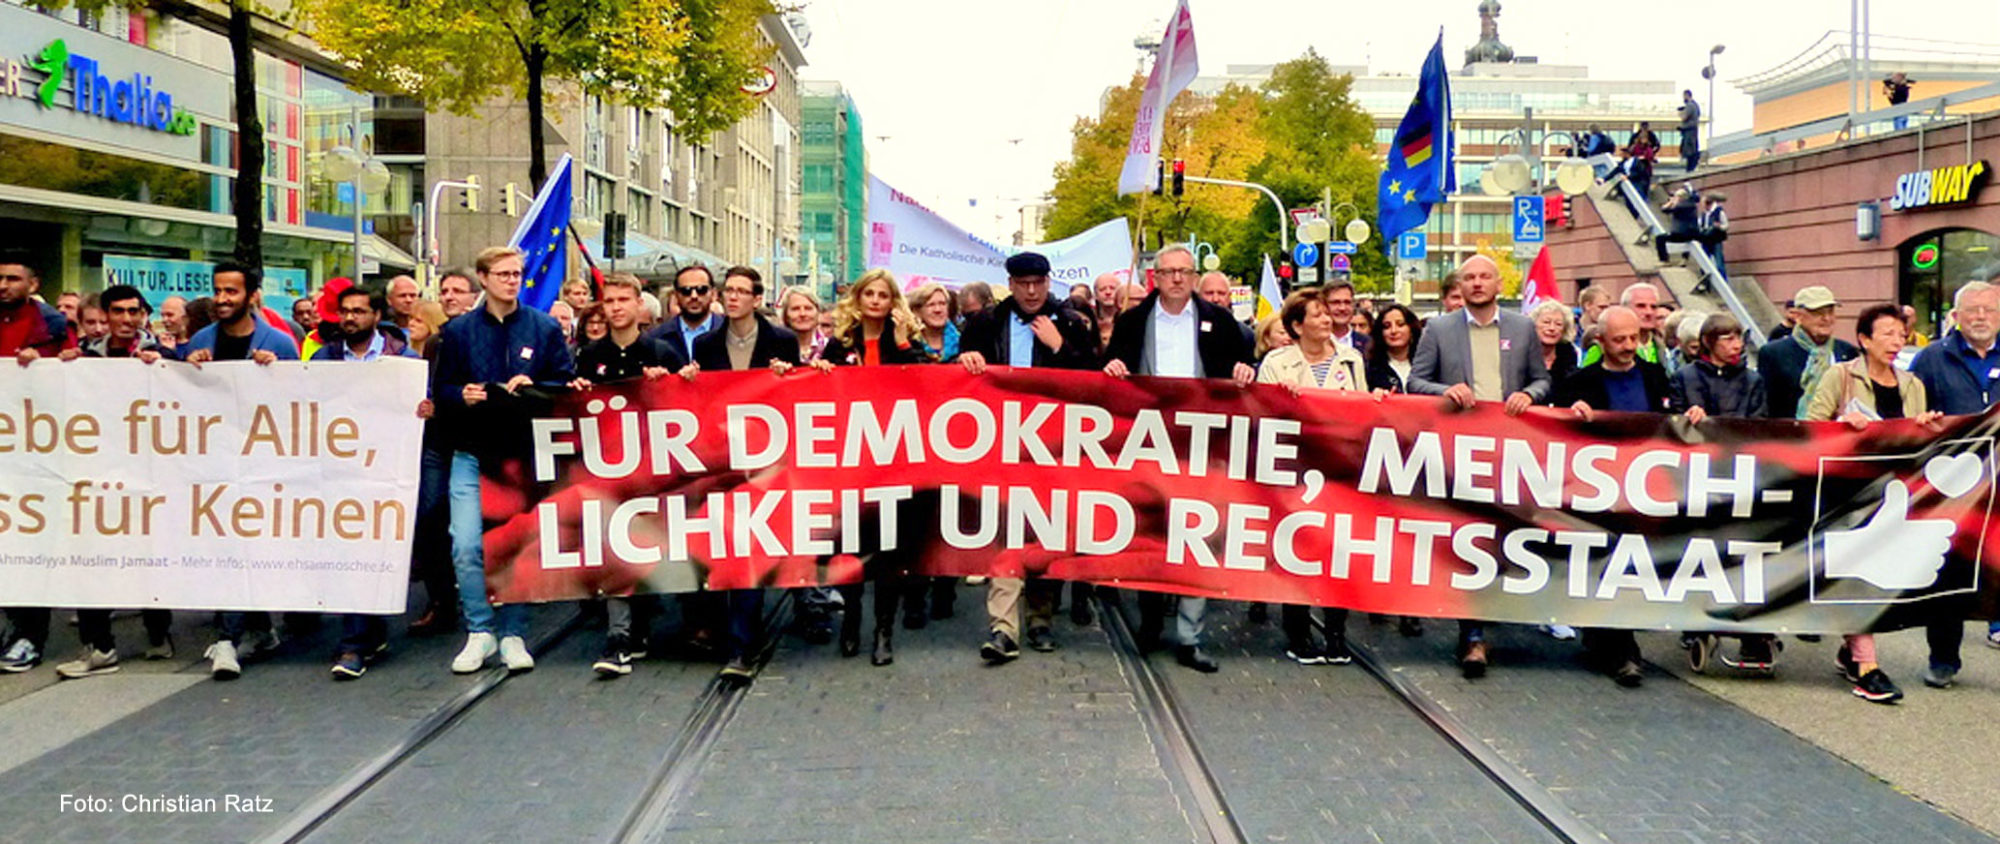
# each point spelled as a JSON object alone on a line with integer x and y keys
{"x": 237, "y": 334}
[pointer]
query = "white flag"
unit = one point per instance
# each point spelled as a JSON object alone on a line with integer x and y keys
{"x": 1173, "y": 69}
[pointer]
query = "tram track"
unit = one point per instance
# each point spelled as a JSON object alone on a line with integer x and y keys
{"x": 1178, "y": 741}
{"x": 673, "y": 775}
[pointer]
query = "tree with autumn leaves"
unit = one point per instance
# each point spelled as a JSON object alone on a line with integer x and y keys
{"x": 689, "y": 56}
{"x": 1298, "y": 133}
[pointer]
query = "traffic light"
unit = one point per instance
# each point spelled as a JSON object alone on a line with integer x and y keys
{"x": 470, "y": 199}
{"x": 509, "y": 203}
{"x": 614, "y": 235}
{"x": 1159, "y": 178}
{"x": 1180, "y": 177}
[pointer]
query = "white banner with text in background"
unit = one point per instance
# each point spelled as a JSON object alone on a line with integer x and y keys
{"x": 229, "y": 486}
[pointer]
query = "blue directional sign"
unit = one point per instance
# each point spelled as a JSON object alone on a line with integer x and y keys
{"x": 1341, "y": 247}
{"x": 1412, "y": 246}
{"x": 1305, "y": 255}
{"x": 1528, "y": 219}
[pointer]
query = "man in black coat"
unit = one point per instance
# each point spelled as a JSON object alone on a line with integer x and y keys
{"x": 1171, "y": 333}
{"x": 1620, "y": 381}
{"x": 1809, "y": 348}
{"x": 745, "y": 341}
{"x": 1028, "y": 329}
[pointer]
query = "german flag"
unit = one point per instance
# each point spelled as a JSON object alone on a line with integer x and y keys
{"x": 1418, "y": 150}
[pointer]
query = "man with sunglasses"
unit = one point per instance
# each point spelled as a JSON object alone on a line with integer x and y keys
{"x": 694, "y": 291}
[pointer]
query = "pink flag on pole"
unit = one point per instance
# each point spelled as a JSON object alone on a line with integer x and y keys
{"x": 1173, "y": 69}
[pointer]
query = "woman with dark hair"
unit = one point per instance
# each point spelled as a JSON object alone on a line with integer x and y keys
{"x": 591, "y": 326}
{"x": 1395, "y": 332}
{"x": 1868, "y": 389}
{"x": 873, "y": 326}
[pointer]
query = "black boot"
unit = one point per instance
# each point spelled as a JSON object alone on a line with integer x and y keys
{"x": 850, "y": 631}
{"x": 885, "y": 648}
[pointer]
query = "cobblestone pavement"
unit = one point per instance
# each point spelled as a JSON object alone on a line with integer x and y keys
{"x": 937, "y": 747}
{"x": 941, "y": 747}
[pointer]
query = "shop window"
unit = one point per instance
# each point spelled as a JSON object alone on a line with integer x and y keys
{"x": 56, "y": 167}
{"x": 1934, "y": 265}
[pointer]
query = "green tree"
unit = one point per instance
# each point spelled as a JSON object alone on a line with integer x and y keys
{"x": 247, "y": 195}
{"x": 1299, "y": 134}
{"x": 692, "y": 56}
{"x": 1318, "y": 139}
{"x": 1216, "y": 137}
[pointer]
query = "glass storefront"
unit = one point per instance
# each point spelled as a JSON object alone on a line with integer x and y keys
{"x": 1933, "y": 266}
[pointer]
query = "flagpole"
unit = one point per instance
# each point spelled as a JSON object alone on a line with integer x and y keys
{"x": 1444, "y": 120}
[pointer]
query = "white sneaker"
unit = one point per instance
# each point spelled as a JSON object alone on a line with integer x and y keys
{"x": 92, "y": 663}
{"x": 1559, "y": 632}
{"x": 514, "y": 653}
{"x": 478, "y": 648}
{"x": 222, "y": 664}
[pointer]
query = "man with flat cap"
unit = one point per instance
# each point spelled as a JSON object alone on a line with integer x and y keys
{"x": 1029, "y": 329}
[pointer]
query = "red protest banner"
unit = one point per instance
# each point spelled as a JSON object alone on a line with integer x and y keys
{"x": 1200, "y": 487}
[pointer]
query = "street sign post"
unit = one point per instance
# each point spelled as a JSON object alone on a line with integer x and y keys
{"x": 1342, "y": 264}
{"x": 1306, "y": 255}
{"x": 1412, "y": 246}
{"x": 1528, "y": 223}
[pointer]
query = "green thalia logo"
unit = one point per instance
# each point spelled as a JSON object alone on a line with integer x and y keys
{"x": 133, "y": 101}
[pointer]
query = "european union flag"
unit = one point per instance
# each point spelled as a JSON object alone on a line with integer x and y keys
{"x": 1420, "y": 171}
{"x": 544, "y": 236}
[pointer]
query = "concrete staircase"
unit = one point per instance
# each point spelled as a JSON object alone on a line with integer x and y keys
{"x": 1685, "y": 282}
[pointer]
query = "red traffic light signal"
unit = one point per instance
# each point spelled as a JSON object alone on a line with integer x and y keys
{"x": 1180, "y": 175}
{"x": 1284, "y": 270}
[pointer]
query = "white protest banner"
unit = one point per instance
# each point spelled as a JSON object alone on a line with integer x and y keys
{"x": 920, "y": 246}
{"x": 229, "y": 486}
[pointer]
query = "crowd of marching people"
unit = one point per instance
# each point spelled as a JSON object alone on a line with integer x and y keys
{"x": 494, "y": 362}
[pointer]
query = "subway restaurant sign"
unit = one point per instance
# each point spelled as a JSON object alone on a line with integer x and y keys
{"x": 1943, "y": 186}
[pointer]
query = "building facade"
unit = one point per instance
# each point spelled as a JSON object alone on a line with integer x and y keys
{"x": 833, "y": 199}
{"x": 117, "y": 152}
{"x": 730, "y": 198}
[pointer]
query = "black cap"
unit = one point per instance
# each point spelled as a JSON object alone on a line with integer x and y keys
{"x": 1027, "y": 264}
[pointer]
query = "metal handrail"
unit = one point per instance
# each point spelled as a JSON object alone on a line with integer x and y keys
{"x": 1914, "y": 108}
{"x": 1753, "y": 333}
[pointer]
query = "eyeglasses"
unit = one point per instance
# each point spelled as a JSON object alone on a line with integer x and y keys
{"x": 1175, "y": 271}
{"x": 697, "y": 290}
{"x": 127, "y": 310}
{"x": 504, "y": 274}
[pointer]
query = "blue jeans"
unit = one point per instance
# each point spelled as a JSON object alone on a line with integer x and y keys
{"x": 468, "y": 556}
{"x": 362, "y": 634}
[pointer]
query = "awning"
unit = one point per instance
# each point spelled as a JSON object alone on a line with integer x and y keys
{"x": 374, "y": 248}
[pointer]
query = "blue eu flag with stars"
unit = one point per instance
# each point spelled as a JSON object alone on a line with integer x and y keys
{"x": 543, "y": 235}
{"x": 1420, "y": 171}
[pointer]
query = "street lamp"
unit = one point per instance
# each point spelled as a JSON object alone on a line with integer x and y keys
{"x": 362, "y": 172}
{"x": 1708, "y": 73}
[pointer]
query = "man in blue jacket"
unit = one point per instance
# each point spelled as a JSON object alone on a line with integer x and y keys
{"x": 485, "y": 358}
{"x": 1960, "y": 373}
{"x": 236, "y": 333}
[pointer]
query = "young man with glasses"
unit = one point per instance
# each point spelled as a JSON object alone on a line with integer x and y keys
{"x": 694, "y": 292}
{"x": 484, "y": 361}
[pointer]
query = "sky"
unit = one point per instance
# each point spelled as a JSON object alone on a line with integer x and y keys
{"x": 972, "y": 101}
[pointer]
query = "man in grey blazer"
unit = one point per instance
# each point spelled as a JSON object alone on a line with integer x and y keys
{"x": 1480, "y": 353}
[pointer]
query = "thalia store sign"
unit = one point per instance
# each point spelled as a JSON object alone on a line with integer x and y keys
{"x": 93, "y": 91}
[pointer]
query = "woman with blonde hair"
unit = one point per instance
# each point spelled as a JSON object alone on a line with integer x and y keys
{"x": 873, "y": 326}
{"x": 424, "y": 328}
{"x": 1272, "y": 336}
